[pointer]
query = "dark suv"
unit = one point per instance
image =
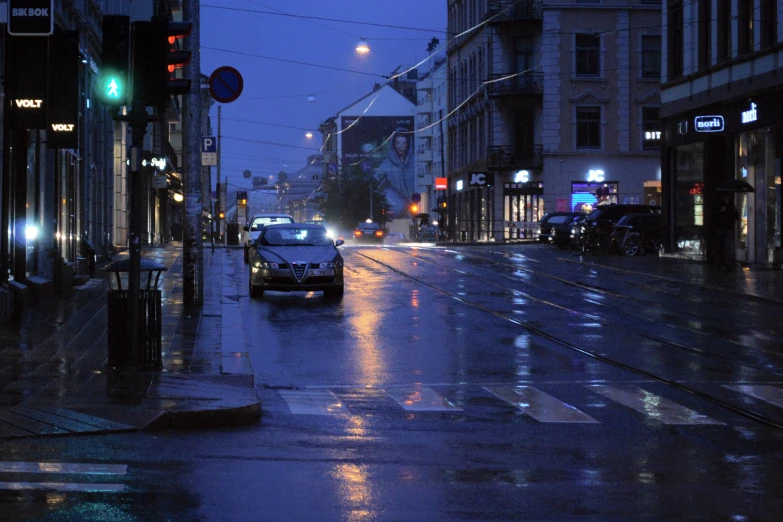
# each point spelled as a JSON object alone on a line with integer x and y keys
{"x": 603, "y": 217}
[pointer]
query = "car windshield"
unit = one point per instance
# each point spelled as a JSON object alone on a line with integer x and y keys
{"x": 554, "y": 220}
{"x": 260, "y": 222}
{"x": 295, "y": 237}
{"x": 369, "y": 226}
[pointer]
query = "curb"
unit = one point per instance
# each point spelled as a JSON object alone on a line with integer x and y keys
{"x": 205, "y": 419}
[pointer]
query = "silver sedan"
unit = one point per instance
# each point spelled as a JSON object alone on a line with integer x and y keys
{"x": 296, "y": 257}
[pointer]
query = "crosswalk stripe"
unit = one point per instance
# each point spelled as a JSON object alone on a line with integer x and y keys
{"x": 420, "y": 398}
{"x": 63, "y": 486}
{"x": 540, "y": 405}
{"x": 764, "y": 392}
{"x": 313, "y": 402}
{"x": 651, "y": 405}
{"x": 63, "y": 467}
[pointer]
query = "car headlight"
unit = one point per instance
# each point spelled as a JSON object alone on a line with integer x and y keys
{"x": 261, "y": 263}
{"x": 327, "y": 264}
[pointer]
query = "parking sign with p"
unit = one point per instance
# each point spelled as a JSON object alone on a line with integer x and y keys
{"x": 208, "y": 150}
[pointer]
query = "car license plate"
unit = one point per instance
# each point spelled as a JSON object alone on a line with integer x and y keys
{"x": 322, "y": 272}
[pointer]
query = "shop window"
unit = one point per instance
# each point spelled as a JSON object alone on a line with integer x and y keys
{"x": 588, "y": 127}
{"x": 588, "y": 54}
{"x": 688, "y": 198}
{"x": 651, "y": 128}
{"x": 651, "y": 57}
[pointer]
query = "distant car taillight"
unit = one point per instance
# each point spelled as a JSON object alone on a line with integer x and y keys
{"x": 379, "y": 233}
{"x": 357, "y": 233}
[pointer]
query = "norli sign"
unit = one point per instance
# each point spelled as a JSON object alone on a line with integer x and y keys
{"x": 708, "y": 123}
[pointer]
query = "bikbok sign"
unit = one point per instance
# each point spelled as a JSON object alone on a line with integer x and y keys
{"x": 30, "y": 17}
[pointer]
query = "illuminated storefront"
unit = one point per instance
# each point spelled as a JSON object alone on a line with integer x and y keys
{"x": 705, "y": 149}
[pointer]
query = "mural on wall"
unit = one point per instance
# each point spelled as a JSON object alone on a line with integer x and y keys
{"x": 383, "y": 146}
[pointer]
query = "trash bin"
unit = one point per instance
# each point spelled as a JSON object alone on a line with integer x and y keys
{"x": 149, "y": 315}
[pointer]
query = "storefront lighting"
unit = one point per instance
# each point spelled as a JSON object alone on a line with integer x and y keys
{"x": 31, "y": 232}
{"x": 460, "y": 184}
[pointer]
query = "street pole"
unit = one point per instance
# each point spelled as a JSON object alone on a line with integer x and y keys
{"x": 138, "y": 123}
{"x": 223, "y": 221}
{"x": 193, "y": 260}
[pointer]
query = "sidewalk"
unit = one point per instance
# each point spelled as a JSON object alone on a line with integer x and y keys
{"x": 54, "y": 373}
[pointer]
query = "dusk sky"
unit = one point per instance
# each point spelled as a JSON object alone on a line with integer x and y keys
{"x": 285, "y": 59}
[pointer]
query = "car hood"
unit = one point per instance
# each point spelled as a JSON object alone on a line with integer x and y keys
{"x": 298, "y": 254}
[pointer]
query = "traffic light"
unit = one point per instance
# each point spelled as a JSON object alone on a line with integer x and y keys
{"x": 442, "y": 205}
{"x": 115, "y": 60}
{"x": 155, "y": 61}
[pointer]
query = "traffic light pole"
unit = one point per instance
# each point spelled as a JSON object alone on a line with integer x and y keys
{"x": 138, "y": 124}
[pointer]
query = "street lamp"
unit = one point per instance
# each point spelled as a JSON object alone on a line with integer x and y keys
{"x": 362, "y": 47}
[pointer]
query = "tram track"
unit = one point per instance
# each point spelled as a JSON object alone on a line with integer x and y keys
{"x": 610, "y": 293}
{"x": 606, "y": 359}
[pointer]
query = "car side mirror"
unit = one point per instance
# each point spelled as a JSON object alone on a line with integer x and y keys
{"x": 339, "y": 242}
{"x": 246, "y": 228}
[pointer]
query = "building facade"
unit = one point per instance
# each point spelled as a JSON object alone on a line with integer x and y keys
{"x": 431, "y": 116}
{"x": 722, "y": 124}
{"x": 554, "y": 107}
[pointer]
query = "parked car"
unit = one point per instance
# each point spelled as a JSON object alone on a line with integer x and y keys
{"x": 602, "y": 219}
{"x": 555, "y": 227}
{"x": 257, "y": 224}
{"x": 369, "y": 232}
{"x": 640, "y": 233}
{"x": 296, "y": 257}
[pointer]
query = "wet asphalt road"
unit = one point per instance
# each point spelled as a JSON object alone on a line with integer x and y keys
{"x": 471, "y": 383}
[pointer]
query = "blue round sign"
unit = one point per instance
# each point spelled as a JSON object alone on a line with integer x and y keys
{"x": 225, "y": 84}
{"x": 416, "y": 197}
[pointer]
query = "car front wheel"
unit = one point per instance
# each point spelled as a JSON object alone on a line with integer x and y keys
{"x": 255, "y": 291}
{"x": 334, "y": 294}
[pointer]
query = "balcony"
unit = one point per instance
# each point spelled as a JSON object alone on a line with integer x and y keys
{"x": 531, "y": 158}
{"x": 503, "y": 11}
{"x": 525, "y": 84}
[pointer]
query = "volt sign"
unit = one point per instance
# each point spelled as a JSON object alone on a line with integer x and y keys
{"x": 30, "y": 17}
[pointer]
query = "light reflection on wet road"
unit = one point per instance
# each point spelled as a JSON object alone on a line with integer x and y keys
{"x": 461, "y": 386}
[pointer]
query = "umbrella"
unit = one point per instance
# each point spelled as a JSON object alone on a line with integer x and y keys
{"x": 735, "y": 185}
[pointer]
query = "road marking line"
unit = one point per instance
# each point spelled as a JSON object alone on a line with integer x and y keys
{"x": 313, "y": 402}
{"x": 653, "y": 406}
{"x": 63, "y": 467}
{"x": 539, "y": 405}
{"x": 770, "y": 394}
{"x": 420, "y": 398}
{"x": 63, "y": 486}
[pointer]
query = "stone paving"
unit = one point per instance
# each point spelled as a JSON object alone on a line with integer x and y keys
{"x": 55, "y": 374}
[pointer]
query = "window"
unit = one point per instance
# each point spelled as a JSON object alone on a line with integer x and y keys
{"x": 769, "y": 23}
{"x": 588, "y": 127}
{"x": 588, "y": 54}
{"x": 651, "y": 57}
{"x": 745, "y": 27}
{"x": 724, "y": 29}
{"x": 676, "y": 47}
{"x": 705, "y": 33}
{"x": 651, "y": 128}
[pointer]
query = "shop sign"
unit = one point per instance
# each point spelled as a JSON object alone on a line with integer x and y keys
{"x": 750, "y": 115}
{"x": 695, "y": 190}
{"x": 595, "y": 175}
{"x": 652, "y": 135}
{"x": 460, "y": 184}
{"x": 441, "y": 183}
{"x": 708, "y": 123}
{"x": 480, "y": 179}
{"x": 523, "y": 176}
